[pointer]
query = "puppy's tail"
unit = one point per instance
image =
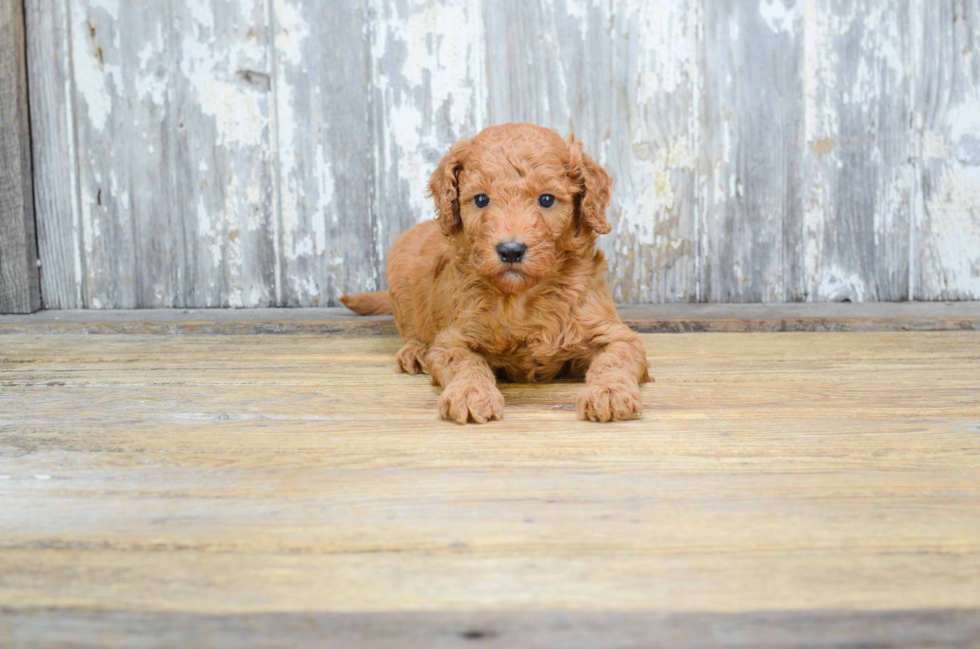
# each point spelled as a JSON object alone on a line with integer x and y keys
{"x": 377, "y": 303}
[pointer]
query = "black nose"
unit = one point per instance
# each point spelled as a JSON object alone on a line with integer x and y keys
{"x": 511, "y": 252}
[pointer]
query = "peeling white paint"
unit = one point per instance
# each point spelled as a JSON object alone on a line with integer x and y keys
{"x": 325, "y": 176}
{"x": 441, "y": 75}
{"x": 89, "y": 234}
{"x": 302, "y": 247}
{"x": 151, "y": 85}
{"x": 964, "y": 118}
{"x": 667, "y": 64}
{"x": 238, "y": 109}
{"x": 669, "y": 61}
{"x": 813, "y": 215}
{"x": 734, "y": 32}
{"x": 853, "y": 89}
{"x": 952, "y": 237}
{"x": 837, "y": 284}
{"x": 311, "y": 287}
{"x": 779, "y": 16}
{"x": 235, "y": 299}
{"x": 933, "y": 146}
{"x": 580, "y": 12}
{"x": 223, "y": 77}
{"x": 291, "y": 32}
{"x": 954, "y": 233}
{"x": 324, "y": 205}
{"x": 820, "y": 60}
{"x": 642, "y": 211}
{"x": 96, "y": 81}
{"x": 111, "y": 7}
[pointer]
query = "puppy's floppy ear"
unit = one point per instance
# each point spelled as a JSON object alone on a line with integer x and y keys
{"x": 595, "y": 185}
{"x": 444, "y": 187}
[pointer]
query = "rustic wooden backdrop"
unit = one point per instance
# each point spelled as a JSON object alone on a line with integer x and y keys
{"x": 196, "y": 153}
{"x": 20, "y": 290}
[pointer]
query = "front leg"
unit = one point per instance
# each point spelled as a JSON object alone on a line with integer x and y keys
{"x": 469, "y": 386}
{"x": 612, "y": 383}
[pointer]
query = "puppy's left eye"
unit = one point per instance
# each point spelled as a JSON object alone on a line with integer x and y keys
{"x": 546, "y": 200}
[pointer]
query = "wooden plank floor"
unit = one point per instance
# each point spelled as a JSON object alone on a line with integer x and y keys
{"x": 782, "y": 489}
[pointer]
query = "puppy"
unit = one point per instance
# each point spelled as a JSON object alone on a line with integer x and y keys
{"x": 507, "y": 281}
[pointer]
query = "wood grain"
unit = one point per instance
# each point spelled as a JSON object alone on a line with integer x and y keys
{"x": 429, "y": 89}
{"x": 175, "y": 200}
{"x": 947, "y": 128}
{"x": 55, "y": 158}
{"x": 20, "y": 291}
{"x": 780, "y": 489}
{"x": 859, "y": 152}
{"x": 751, "y": 154}
{"x": 326, "y": 165}
{"x": 225, "y": 163}
{"x": 124, "y": 173}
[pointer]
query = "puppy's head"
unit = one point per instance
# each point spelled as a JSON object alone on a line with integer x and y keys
{"x": 518, "y": 199}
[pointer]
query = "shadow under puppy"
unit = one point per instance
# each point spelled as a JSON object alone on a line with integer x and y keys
{"x": 507, "y": 280}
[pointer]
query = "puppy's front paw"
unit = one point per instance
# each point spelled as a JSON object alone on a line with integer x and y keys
{"x": 462, "y": 401}
{"x": 410, "y": 358}
{"x": 609, "y": 401}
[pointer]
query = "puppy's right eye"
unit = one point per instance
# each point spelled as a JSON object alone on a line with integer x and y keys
{"x": 481, "y": 201}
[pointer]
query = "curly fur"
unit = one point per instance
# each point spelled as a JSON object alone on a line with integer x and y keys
{"x": 467, "y": 318}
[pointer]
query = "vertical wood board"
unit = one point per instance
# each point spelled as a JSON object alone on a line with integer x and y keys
{"x": 174, "y": 201}
{"x": 19, "y": 286}
{"x": 224, "y": 159}
{"x": 429, "y": 80}
{"x": 55, "y": 155}
{"x": 858, "y": 157}
{"x": 946, "y": 259}
{"x": 326, "y": 166}
{"x": 751, "y": 149}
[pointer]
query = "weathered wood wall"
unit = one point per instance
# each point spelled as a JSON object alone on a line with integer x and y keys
{"x": 20, "y": 291}
{"x": 267, "y": 152}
